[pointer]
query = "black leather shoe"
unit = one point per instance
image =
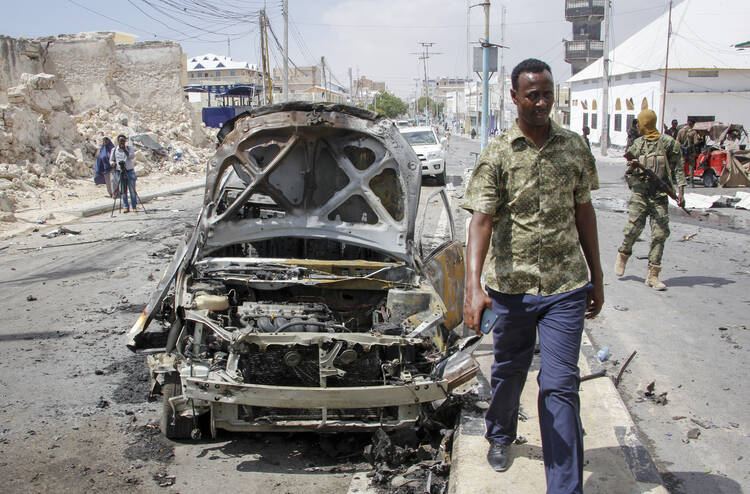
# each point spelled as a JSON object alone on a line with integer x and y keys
{"x": 498, "y": 457}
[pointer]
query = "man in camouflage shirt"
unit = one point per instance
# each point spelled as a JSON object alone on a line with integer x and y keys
{"x": 688, "y": 140}
{"x": 529, "y": 194}
{"x": 645, "y": 200}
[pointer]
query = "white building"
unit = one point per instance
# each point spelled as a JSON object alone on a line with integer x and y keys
{"x": 708, "y": 76}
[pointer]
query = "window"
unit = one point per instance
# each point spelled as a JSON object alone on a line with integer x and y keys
{"x": 645, "y": 75}
{"x": 629, "y": 121}
{"x": 584, "y": 104}
{"x": 703, "y": 73}
{"x": 585, "y": 119}
{"x": 594, "y": 117}
{"x": 218, "y": 73}
{"x": 702, "y": 118}
{"x": 632, "y": 75}
{"x": 618, "y": 122}
{"x": 618, "y": 77}
{"x": 629, "y": 104}
{"x": 618, "y": 105}
{"x": 594, "y": 107}
{"x": 644, "y": 104}
{"x": 231, "y": 72}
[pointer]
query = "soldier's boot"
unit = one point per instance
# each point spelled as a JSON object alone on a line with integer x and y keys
{"x": 622, "y": 260}
{"x": 652, "y": 279}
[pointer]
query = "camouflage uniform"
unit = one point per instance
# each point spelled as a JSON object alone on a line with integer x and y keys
{"x": 687, "y": 140}
{"x": 531, "y": 194}
{"x": 646, "y": 201}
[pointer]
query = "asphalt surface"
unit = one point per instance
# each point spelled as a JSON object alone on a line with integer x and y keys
{"x": 74, "y": 412}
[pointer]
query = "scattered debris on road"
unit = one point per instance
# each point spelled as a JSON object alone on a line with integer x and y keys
{"x": 59, "y": 231}
{"x": 650, "y": 393}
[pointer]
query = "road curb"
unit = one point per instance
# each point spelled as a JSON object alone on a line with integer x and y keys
{"x": 616, "y": 462}
{"x": 106, "y": 207}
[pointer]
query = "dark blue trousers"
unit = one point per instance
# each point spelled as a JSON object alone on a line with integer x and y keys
{"x": 559, "y": 319}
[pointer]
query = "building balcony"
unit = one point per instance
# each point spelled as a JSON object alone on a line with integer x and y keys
{"x": 583, "y": 50}
{"x": 577, "y": 9}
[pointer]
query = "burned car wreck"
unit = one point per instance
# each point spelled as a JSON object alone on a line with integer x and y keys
{"x": 301, "y": 299}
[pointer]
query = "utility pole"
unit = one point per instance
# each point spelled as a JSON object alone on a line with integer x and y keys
{"x": 468, "y": 46}
{"x": 666, "y": 67}
{"x": 262, "y": 57}
{"x": 502, "y": 71}
{"x": 425, "y": 56}
{"x": 485, "y": 74}
{"x": 229, "y": 48}
{"x": 351, "y": 88}
{"x": 285, "y": 7}
{"x": 604, "y": 139}
{"x": 323, "y": 76}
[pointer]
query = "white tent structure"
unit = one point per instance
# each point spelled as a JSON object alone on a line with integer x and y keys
{"x": 708, "y": 76}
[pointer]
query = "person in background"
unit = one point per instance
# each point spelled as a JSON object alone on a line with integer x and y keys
{"x": 672, "y": 131}
{"x": 102, "y": 168}
{"x": 660, "y": 154}
{"x": 122, "y": 157}
{"x": 586, "y": 131}
{"x": 633, "y": 133}
{"x": 689, "y": 141}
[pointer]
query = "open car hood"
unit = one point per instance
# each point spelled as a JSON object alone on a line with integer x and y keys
{"x": 314, "y": 171}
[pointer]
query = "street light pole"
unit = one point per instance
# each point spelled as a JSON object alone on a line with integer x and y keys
{"x": 285, "y": 7}
{"x": 604, "y": 139}
{"x": 485, "y": 74}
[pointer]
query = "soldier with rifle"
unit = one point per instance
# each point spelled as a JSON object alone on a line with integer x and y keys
{"x": 654, "y": 170}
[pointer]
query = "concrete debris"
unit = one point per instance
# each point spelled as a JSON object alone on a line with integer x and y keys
{"x": 52, "y": 124}
{"x": 741, "y": 200}
{"x": 693, "y": 433}
{"x": 30, "y": 298}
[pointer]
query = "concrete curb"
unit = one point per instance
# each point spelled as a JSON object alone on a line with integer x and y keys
{"x": 106, "y": 207}
{"x": 616, "y": 462}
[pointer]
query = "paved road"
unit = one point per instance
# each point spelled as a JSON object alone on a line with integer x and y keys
{"x": 74, "y": 412}
{"x": 73, "y": 409}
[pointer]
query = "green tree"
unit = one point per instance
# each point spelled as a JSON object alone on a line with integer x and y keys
{"x": 432, "y": 107}
{"x": 388, "y": 104}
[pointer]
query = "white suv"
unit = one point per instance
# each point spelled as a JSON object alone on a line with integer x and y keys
{"x": 429, "y": 150}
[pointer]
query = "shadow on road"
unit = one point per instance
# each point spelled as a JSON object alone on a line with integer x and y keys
{"x": 692, "y": 281}
{"x": 295, "y": 453}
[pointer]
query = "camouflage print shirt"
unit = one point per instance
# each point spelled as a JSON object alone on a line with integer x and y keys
{"x": 675, "y": 173}
{"x": 531, "y": 193}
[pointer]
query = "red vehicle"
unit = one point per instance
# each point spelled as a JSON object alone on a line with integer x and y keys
{"x": 710, "y": 164}
{"x": 710, "y": 168}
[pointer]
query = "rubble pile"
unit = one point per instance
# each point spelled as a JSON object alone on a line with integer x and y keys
{"x": 46, "y": 149}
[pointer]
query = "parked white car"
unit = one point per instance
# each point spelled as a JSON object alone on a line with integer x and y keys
{"x": 429, "y": 150}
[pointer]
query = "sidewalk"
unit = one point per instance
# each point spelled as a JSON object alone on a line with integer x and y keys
{"x": 105, "y": 205}
{"x": 615, "y": 460}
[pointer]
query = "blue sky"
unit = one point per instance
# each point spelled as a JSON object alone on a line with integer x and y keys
{"x": 376, "y": 38}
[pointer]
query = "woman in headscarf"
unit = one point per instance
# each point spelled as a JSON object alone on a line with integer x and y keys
{"x": 102, "y": 169}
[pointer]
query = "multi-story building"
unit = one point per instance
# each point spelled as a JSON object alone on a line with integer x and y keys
{"x": 708, "y": 76}
{"x": 218, "y": 70}
{"x": 586, "y": 45}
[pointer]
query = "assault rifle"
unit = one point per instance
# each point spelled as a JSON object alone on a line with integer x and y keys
{"x": 660, "y": 184}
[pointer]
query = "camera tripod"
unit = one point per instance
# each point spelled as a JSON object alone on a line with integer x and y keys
{"x": 122, "y": 188}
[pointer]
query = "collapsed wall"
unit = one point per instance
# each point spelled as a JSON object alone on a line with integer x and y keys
{"x": 62, "y": 94}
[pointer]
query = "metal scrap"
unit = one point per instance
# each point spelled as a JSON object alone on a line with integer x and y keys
{"x": 59, "y": 231}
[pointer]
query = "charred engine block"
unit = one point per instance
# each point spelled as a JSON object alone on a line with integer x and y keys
{"x": 269, "y": 317}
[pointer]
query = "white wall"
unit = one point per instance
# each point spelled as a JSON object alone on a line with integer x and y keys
{"x": 727, "y": 97}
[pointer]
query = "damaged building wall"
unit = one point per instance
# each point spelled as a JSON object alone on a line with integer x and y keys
{"x": 62, "y": 94}
{"x": 18, "y": 56}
